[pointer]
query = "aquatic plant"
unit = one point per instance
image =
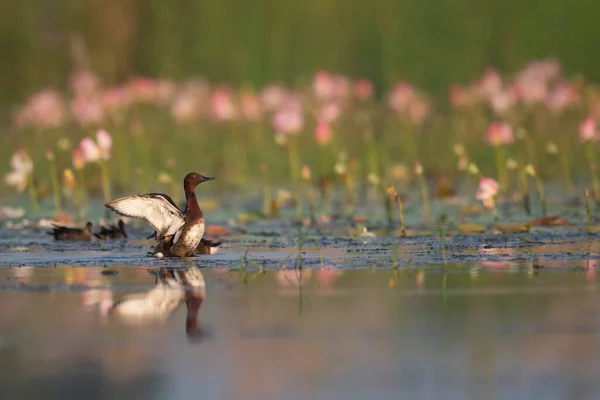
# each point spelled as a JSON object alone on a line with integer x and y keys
{"x": 349, "y": 135}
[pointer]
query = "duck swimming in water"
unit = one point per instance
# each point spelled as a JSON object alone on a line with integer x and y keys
{"x": 178, "y": 232}
{"x": 72, "y": 233}
{"x": 112, "y": 231}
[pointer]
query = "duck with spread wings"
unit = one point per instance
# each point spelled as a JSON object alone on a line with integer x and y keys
{"x": 178, "y": 232}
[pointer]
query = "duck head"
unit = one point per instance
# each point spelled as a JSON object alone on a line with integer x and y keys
{"x": 193, "y": 179}
{"x": 88, "y": 227}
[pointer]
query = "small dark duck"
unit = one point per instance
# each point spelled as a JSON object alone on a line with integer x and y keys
{"x": 72, "y": 233}
{"x": 178, "y": 232}
{"x": 112, "y": 231}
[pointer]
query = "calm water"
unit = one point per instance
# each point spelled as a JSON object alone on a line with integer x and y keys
{"x": 513, "y": 333}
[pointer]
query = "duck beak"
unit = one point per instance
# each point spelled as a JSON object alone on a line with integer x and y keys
{"x": 207, "y": 178}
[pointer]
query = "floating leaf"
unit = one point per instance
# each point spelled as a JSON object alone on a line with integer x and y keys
{"x": 471, "y": 228}
{"x": 551, "y": 220}
{"x": 512, "y": 227}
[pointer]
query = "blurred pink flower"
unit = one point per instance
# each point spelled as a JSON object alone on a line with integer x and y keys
{"x": 363, "y": 89}
{"x": 324, "y": 85}
{"x": 78, "y": 158}
{"x": 489, "y": 84}
{"x": 222, "y": 105}
{"x": 329, "y": 112}
{"x": 502, "y": 101}
{"x": 116, "y": 98}
{"x": 104, "y": 143}
{"x": 588, "y": 130}
{"x": 273, "y": 97}
{"x": 250, "y": 105}
{"x": 342, "y": 87}
{"x": 401, "y": 96}
{"x": 45, "y": 109}
{"x": 418, "y": 110}
{"x": 21, "y": 167}
{"x": 487, "y": 191}
{"x": 499, "y": 133}
{"x": 84, "y": 83}
{"x": 87, "y": 110}
{"x": 563, "y": 95}
{"x": 185, "y": 106}
{"x": 323, "y": 134}
{"x": 90, "y": 150}
{"x": 142, "y": 89}
{"x": 290, "y": 118}
{"x": 532, "y": 82}
{"x": 459, "y": 96}
{"x": 164, "y": 91}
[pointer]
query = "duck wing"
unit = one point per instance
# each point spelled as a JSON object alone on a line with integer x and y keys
{"x": 159, "y": 210}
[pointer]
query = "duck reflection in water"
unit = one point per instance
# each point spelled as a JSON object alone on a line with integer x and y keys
{"x": 173, "y": 287}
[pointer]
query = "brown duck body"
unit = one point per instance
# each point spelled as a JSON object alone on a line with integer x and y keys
{"x": 73, "y": 234}
{"x": 112, "y": 231}
{"x": 178, "y": 232}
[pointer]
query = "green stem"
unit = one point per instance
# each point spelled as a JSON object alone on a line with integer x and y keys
{"x": 500, "y": 156}
{"x": 105, "y": 181}
{"x": 33, "y": 198}
{"x": 425, "y": 198}
{"x": 294, "y": 161}
{"x": 55, "y": 186}
{"x": 541, "y": 193}
{"x": 589, "y": 152}
{"x": 401, "y": 211}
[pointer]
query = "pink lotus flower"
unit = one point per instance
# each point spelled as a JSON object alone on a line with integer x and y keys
{"x": 273, "y": 97}
{"x": 363, "y": 89}
{"x": 251, "y": 107}
{"x": 290, "y": 118}
{"x": 502, "y": 101}
{"x": 85, "y": 83}
{"x": 588, "y": 130}
{"x": 418, "y": 110}
{"x": 459, "y": 96}
{"x": 141, "y": 89}
{"x": 185, "y": 106}
{"x": 563, "y": 95}
{"x": 45, "y": 109}
{"x": 104, "y": 143}
{"x": 87, "y": 110}
{"x": 324, "y": 85}
{"x": 323, "y": 134}
{"x": 329, "y": 112}
{"x": 164, "y": 91}
{"x": 116, "y": 98}
{"x": 90, "y": 150}
{"x": 21, "y": 167}
{"x": 499, "y": 133}
{"x": 222, "y": 105}
{"x": 489, "y": 84}
{"x": 402, "y": 95}
{"x": 341, "y": 87}
{"x": 487, "y": 191}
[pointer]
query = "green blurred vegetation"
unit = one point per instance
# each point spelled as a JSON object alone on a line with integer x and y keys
{"x": 428, "y": 43}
